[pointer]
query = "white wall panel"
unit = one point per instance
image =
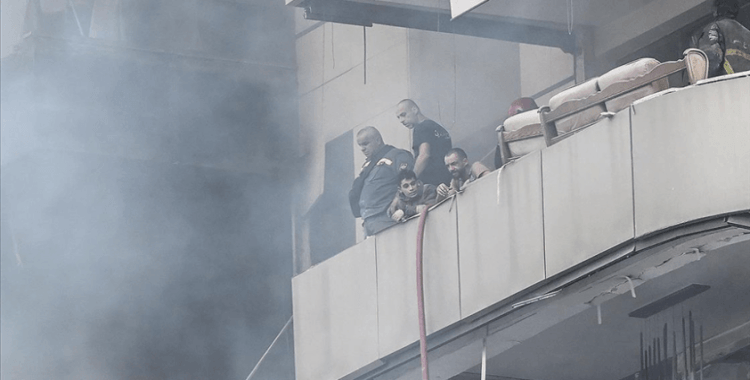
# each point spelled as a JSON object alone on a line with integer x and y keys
{"x": 397, "y": 292}
{"x": 691, "y": 157}
{"x": 349, "y": 101}
{"x": 588, "y": 193}
{"x": 501, "y": 244}
{"x": 344, "y": 49}
{"x": 541, "y": 67}
{"x": 335, "y": 315}
{"x": 381, "y": 38}
{"x": 465, "y": 84}
{"x": 310, "y": 60}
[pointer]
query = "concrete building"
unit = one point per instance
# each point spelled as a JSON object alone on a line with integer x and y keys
{"x": 161, "y": 160}
{"x": 563, "y": 262}
{"x": 464, "y": 83}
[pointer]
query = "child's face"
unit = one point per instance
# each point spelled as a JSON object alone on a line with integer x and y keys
{"x": 409, "y": 188}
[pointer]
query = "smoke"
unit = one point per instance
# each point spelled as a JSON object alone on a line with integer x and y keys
{"x": 145, "y": 218}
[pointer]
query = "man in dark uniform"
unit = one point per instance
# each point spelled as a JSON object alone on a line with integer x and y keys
{"x": 377, "y": 183}
{"x": 430, "y": 142}
{"x": 724, "y": 40}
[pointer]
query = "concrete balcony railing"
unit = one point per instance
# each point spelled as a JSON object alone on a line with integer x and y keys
{"x": 672, "y": 159}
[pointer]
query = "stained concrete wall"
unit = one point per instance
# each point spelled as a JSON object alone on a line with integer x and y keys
{"x": 543, "y": 67}
{"x": 465, "y": 84}
{"x": 340, "y": 91}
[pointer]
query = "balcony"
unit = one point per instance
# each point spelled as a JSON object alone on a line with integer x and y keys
{"x": 612, "y": 193}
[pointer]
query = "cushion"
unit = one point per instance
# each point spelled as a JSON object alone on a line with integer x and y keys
{"x": 627, "y": 72}
{"x": 582, "y": 118}
{"x": 521, "y": 120}
{"x": 523, "y": 133}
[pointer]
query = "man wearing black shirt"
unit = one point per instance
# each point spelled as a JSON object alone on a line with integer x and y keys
{"x": 430, "y": 143}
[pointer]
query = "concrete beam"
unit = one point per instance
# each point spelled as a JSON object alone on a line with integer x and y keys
{"x": 506, "y": 29}
{"x": 646, "y": 25}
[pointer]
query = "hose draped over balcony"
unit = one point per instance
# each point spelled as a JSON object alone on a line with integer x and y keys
{"x": 420, "y": 296}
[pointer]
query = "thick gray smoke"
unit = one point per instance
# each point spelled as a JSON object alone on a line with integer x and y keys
{"x": 145, "y": 193}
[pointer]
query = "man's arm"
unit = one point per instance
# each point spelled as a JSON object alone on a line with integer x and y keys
{"x": 424, "y": 155}
{"x": 429, "y": 196}
{"x": 393, "y": 206}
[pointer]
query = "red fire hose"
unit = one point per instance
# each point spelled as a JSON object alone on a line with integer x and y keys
{"x": 420, "y": 296}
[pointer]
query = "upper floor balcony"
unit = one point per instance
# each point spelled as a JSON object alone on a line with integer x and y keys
{"x": 666, "y": 180}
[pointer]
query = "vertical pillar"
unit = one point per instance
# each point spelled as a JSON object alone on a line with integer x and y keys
{"x": 584, "y": 53}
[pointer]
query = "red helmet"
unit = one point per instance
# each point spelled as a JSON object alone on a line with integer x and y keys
{"x": 521, "y": 105}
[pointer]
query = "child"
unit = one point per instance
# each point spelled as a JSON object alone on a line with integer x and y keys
{"x": 412, "y": 196}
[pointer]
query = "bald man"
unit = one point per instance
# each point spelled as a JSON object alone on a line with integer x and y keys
{"x": 377, "y": 183}
{"x": 430, "y": 143}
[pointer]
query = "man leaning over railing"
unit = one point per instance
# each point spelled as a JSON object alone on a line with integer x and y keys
{"x": 463, "y": 173}
{"x": 412, "y": 196}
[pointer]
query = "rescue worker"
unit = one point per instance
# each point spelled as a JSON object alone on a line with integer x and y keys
{"x": 375, "y": 187}
{"x": 519, "y": 105}
{"x": 725, "y": 41}
{"x": 430, "y": 142}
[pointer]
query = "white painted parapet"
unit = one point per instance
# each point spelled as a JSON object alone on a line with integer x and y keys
{"x": 666, "y": 161}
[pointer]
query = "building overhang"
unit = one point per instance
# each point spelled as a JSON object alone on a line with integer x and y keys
{"x": 506, "y": 27}
{"x": 611, "y": 29}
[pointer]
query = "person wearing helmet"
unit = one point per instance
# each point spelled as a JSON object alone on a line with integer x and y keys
{"x": 518, "y": 106}
{"x": 725, "y": 41}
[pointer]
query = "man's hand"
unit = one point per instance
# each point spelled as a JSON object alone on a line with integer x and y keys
{"x": 443, "y": 191}
{"x": 420, "y": 208}
{"x": 397, "y": 215}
